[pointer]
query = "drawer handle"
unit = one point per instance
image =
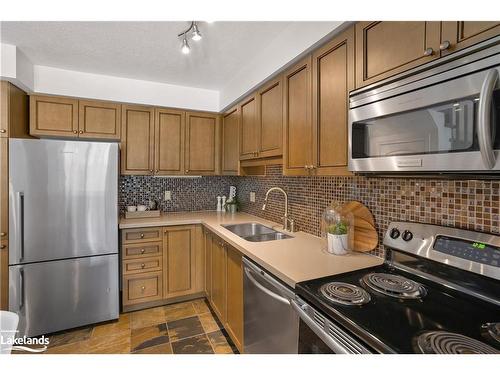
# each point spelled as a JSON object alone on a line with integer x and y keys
{"x": 142, "y": 251}
{"x": 142, "y": 235}
{"x": 143, "y": 265}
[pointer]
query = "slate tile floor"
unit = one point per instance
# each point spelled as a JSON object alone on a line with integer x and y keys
{"x": 182, "y": 328}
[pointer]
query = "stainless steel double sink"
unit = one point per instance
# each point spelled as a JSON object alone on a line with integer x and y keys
{"x": 255, "y": 232}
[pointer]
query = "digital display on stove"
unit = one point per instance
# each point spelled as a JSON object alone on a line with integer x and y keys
{"x": 474, "y": 251}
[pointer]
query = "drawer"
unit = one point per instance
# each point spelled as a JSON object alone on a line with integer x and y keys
{"x": 142, "y": 287}
{"x": 140, "y": 250}
{"x": 132, "y": 266}
{"x": 141, "y": 235}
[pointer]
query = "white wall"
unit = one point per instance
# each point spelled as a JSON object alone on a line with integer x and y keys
{"x": 297, "y": 39}
{"x": 16, "y": 67}
{"x": 56, "y": 81}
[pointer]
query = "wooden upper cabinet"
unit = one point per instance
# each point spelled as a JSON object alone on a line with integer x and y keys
{"x": 332, "y": 78}
{"x": 249, "y": 132}
{"x": 169, "y": 142}
{"x": 179, "y": 261}
{"x": 52, "y": 116}
{"x": 270, "y": 118}
{"x": 99, "y": 120}
{"x": 297, "y": 119}
{"x": 456, "y": 35}
{"x": 234, "y": 310}
{"x": 137, "y": 141}
{"x": 230, "y": 142}
{"x": 387, "y": 48}
{"x": 14, "y": 111}
{"x": 202, "y": 144}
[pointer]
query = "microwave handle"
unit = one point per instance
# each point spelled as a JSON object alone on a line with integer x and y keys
{"x": 484, "y": 126}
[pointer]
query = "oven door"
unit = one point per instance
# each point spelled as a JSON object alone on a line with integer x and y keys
{"x": 319, "y": 335}
{"x": 451, "y": 126}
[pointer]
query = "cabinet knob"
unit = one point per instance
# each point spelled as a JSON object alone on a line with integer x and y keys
{"x": 81, "y": 132}
{"x": 142, "y": 251}
{"x": 3, "y": 131}
{"x": 156, "y": 171}
{"x": 75, "y": 131}
{"x": 3, "y": 246}
{"x": 428, "y": 52}
{"x": 445, "y": 45}
{"x": 142, "y": 235}
{"x": 143, "y": 288}
{"x": 151, "y": 171}
{"x": 3, "y": 234}
{"x": 187, "y": 170}
{"x": 143, "y": 265}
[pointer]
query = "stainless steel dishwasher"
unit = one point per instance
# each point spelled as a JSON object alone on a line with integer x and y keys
{"x": 271, "y": 324}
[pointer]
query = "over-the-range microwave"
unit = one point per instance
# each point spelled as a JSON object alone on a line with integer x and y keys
{"x": 441, "y": 120}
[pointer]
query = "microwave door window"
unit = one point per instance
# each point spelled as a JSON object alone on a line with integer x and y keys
{"x": 447, "y": 127}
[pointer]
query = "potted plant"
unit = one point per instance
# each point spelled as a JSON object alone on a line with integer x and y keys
{"x": 337, "y": 237}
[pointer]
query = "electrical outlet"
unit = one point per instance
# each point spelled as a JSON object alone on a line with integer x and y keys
{"x": 252, "y": 196}
{"x": 168, "y": 195}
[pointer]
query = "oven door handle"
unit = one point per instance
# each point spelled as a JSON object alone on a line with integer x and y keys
{"x": 330, "y": 342}
{"x": 484, "y": 117}
{"x": 264, "y": 289}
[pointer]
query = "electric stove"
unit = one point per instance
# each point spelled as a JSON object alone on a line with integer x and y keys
{"x": 438, "y": 291}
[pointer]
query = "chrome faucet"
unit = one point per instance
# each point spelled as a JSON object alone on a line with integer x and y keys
{"x": 288, "y": 224}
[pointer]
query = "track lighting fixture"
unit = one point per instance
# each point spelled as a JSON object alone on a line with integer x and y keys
{"x": 195, "y": 35}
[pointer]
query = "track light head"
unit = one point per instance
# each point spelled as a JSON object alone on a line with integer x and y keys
{"x": 196, "y": 35}
{"x": 185, "y": 49}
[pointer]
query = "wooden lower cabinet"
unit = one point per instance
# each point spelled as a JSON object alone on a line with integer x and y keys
{"x": 179, "y": 261}
{"x": 234, "y": 292}
{"x": 142, "y": 287}
{"x": 218, "y": 297}
{"x": 207, "y": 239}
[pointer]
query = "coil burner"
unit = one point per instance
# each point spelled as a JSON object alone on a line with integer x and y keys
{"x": 443, "y": 342}
{"x": 345, "y": 294}
{"x": 394, "y": 285}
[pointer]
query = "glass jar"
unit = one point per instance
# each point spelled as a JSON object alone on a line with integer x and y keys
{"x": 337, "y": 229}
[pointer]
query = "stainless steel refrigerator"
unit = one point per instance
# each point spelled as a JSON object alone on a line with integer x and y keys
{"x": 63, "y": 229}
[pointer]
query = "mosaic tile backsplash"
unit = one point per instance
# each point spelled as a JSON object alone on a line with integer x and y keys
{"x": 188, "y": 194}
{"x": 468, "y": 204}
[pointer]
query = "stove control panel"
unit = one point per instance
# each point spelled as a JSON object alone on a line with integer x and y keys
{"x": 471, "y": 250}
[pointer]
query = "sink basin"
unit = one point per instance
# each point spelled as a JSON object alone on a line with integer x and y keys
{"x": 255, "y": 232}
{"x": 268, "y": 237}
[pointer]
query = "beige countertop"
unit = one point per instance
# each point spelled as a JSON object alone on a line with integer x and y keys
{"x": 291, "y": 260}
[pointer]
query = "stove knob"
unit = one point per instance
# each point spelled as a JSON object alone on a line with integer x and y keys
{"x": 394, "y": 233}
{"x": 407, "y": 235}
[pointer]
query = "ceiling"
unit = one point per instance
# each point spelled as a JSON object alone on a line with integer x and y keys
{"x": 144, "y": 50}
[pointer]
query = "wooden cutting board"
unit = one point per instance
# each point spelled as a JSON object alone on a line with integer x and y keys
{"x": 365, "y": 236}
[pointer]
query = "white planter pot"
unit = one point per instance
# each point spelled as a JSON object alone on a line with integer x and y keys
{"x": 337, "y": 243}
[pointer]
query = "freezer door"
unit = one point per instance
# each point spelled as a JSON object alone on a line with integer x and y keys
{"x": 63, "y": 199}
{"x": 63, "y": 294}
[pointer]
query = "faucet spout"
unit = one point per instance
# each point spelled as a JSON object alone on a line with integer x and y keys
{"x": 286, "y": 220}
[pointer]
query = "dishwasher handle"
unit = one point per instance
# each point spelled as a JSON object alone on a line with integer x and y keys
{"x": 271, "y": 294}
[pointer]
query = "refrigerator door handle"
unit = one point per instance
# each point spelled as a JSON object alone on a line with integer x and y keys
{"x": 20, "y": 225}
{"x": 21, "y": 289}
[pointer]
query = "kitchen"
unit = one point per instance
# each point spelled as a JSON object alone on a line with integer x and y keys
{"x": 340, "y": 195}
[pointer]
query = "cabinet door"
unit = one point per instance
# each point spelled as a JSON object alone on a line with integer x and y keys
{"x": 169, "y": 142}
{"x": 179, "y": 261}
{"x": 4, "y": 189}
{"x": 202, "y": 144}
{"x": 219, "y": 278}
{"x": 99, "y": 120}
{"x": 137, "y": 144}
{"x": 298, "y": 134}
{"x": 207, "y": 237}
{"x": 230, "y": 142}
{"x": 270, "y": 118}
{"x": 387, "y": 48}
{"x": 4, "y": 109}
{"x": 234, "y": 315}
{"x": 333, "y": 77}
{"x": 51, "y": 116}
{"x": 460, "y": 34}
{"x": 249, "y": 130}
